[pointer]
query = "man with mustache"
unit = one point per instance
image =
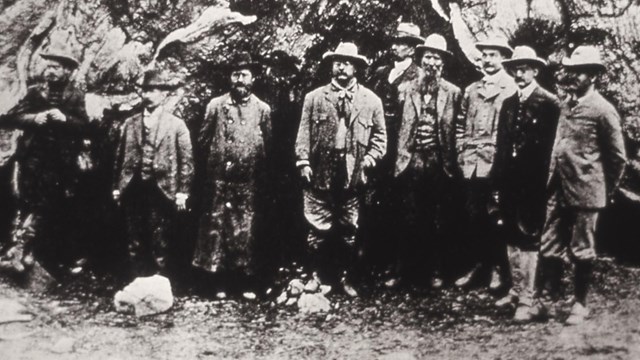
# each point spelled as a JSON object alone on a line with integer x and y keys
{"x": 153, "y": 172}
{"x": 425, "y": 163}
{"x": 587, "y": 163}
{"x": 235, "y": 140}
{"x": 476, "y": 139}
{"x": 389, "y": 82}
{"x": 526, "y": 130}
{"x": 54, "y": 122}
{"x": 341, "y": 138}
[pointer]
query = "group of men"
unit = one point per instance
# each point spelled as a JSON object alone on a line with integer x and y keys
{"x": 536, "y": 170}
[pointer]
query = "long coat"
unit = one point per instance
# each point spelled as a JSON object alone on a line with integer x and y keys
{"x": 478, "y": 124}
{"x": 47, "y": 154}
{"x": 447, "y": 107}
{"x": 525, "y": 139}
{"x": 588, "y": 154}
{"x": 318, "y": 126}
{"x": 173, "y": 160}
{"x": 235, "y": 140}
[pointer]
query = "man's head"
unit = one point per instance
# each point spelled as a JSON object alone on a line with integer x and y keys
{"x": 156, "y": 86}
{"x": 60, "y": 66}
{"x": 343, "y": 70}
{"x": 432, "y": 55}
{"x": 524, "y": 65}
{"x": 345, "y": 61}
{"x": 241, "y": 76}
{"x": 405, "y": 40}
{"x": 581, "y": 69}
{"x": 494, "y": 50}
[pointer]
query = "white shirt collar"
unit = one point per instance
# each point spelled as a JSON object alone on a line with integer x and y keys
{"x": 493, "y": 79}
{"x": 524, "y": 94}
{"x": 402, "y": 65}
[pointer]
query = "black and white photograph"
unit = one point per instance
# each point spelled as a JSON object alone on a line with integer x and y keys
{"x": 319, "y": 179}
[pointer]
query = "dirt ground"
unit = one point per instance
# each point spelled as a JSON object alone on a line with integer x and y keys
{"x": 75, "y": 323}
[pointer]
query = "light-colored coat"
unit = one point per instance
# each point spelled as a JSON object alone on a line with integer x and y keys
{"x": 478, "y": 124}
{"x": 173, "y": 161}
{"x": 588, "y": 154}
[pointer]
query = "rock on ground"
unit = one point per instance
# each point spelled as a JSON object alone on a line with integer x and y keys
{"x": 313, "y": 303}
{"x": 146, "y": 295}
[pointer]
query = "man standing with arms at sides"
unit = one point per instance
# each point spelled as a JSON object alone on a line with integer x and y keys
{"x": 526, "y": 130}
{"x": 587, "y": 163}
{"x": 235, "y": 140}
{"x": 426, "y": 161}
{"x": 341, "y": 138}
{"x": 389, "y": 82}
{"x": 476, "y": 138}
{"x": 153, "y": 173}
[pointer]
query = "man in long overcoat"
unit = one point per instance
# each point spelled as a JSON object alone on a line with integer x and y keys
{"x": 476, "y": 140}
{"x": 587, "y": 163}
{"x": 341, "y": 136}
{"x": 153, "y": 172}
{"x": 526, "y": 130}
{"x": 425, "y": 163}
{"x": 53, "y": 118}
{"x": 235, "y": 139}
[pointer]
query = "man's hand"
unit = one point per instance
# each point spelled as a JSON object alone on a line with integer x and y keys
{"x": 181, "y": 201}
{"x": 56, "y": 115}
{"x": 368, "y": 162}
{"x": 41, "y": 118}
{"x": 306, "y": 173}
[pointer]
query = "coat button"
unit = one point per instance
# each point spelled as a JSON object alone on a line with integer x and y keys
{"x": 230, "y": 121}
{"x": 227, "y": 205}
{"x": 243, "y": 122}
{"x": 229, "y": 141}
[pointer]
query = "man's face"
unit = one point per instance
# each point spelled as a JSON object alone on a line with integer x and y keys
{"x": 343, "y": 71}
{"x": 432, "y": 64}
{"x": 491, "y": 61}
{"x": 241, "y": 82}
{"x": 401, "y": 50}
{"x": 524, "y": 74}
{"x": 578, "y": 81}
{"x": 56, "y": 72}
{"x": 153, "y": 97}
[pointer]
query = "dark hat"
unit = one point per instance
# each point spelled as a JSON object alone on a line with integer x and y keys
{"x": 281, "y": 59}
{"x": 64, "y": 57}
{"x": 161, "y": 79}
{"x": 243, "y": 60}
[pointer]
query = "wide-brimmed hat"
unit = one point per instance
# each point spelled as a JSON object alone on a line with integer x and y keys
{"x": 243, "y": 60}
{"x": 161, "y": 79}
{"x": 584, "y": 56}
{"x": 346, "y": 50}
{"x": 63, "y": 56}
{"x": 435, "y": 42}
{"x": 495, "y": 42}
{"x": 409, "y": 32}
{"x": 524, "y": 55}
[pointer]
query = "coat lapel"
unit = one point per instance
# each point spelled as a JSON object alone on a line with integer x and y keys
{"x": 137, "y": 130}
{"x": 359, "y": 102}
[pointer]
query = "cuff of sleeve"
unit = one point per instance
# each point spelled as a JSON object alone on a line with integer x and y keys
{"x": 301, "y": 163}
{"x": 182, "y": 196}
{"x": 115, "y": 192}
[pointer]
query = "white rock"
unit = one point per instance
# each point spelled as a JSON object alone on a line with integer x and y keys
{"x": 145, "y": 295}
{"x": 295, "y": 288}
{"x": 312, "y": 286}
{"x": 313, "y": 303}
{"x": 291, "y": 301}
{"x": 282, "y": 298}
{"x": 325, "y": 289}
{"x": 13, "y": 311}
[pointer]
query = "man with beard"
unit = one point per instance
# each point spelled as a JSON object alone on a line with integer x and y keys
{"x": 526, "y": 130}
{"x": 389, "y": 82}
{"x": 587, "y": 163}
{"x": 476, "y": 137}
{"x": 153, "y": 172}
{"x": 425, "y": 163}
{"x": 235, "y": 139}
{"x": 53, "y": 118}
{"x": 341, "y": 137}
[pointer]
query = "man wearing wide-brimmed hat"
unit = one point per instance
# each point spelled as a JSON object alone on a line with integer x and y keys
{"x": 235, "y": 143}
{"x": 476, "y": 139}
{"x": 389, "y": 82}
{"x": 53, "y": 118}
{"x": 425, "y": 164}
{"x": 152, "y": 174}
{"x": 526, "y": 129}
{"x": 341, "y": 138}
{"x": 587, "y": 163}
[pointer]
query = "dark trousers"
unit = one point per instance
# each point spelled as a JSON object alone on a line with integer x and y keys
{"x": 149, "y": 218}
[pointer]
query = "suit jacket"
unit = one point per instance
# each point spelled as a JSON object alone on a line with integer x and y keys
{"x": 447, "y": 106}
{"x": 588, "y": 154}
{"x": 478, "y": 124}
{"x": 172, "y": 163}
{"x": 523, "y": 150}
{"x": 318, "y": 126}
{"x": 391, "y": 94}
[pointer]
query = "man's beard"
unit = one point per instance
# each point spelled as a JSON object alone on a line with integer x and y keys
{"x": 240, "y": 91}
{"x": 432, "y": 72}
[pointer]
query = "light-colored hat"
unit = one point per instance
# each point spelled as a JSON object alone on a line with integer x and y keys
{"x": 408, "y": 32}
{"x": 584, "y": 56}
{"x": 63, "y": 56}
{"x": 435, "y": 42}
{"x": 495, "y": 42}
{"x": 524, "y": 55}
{"x": 346, "y": 50}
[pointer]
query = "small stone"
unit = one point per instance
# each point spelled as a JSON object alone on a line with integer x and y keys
{"x": 313, "y": 303}
{"x": 312, "y": 286}
{"x": 291, "y": 301}
{"x": 145, "y": 295}
{"x": 282, "y": 298}
{"x": 295, "y": 288}
{"x": 249, "y": 295}
{"x": 221, "y": 295}
{"x": 325, "y": 289}
{"x": 63, "y": 345}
